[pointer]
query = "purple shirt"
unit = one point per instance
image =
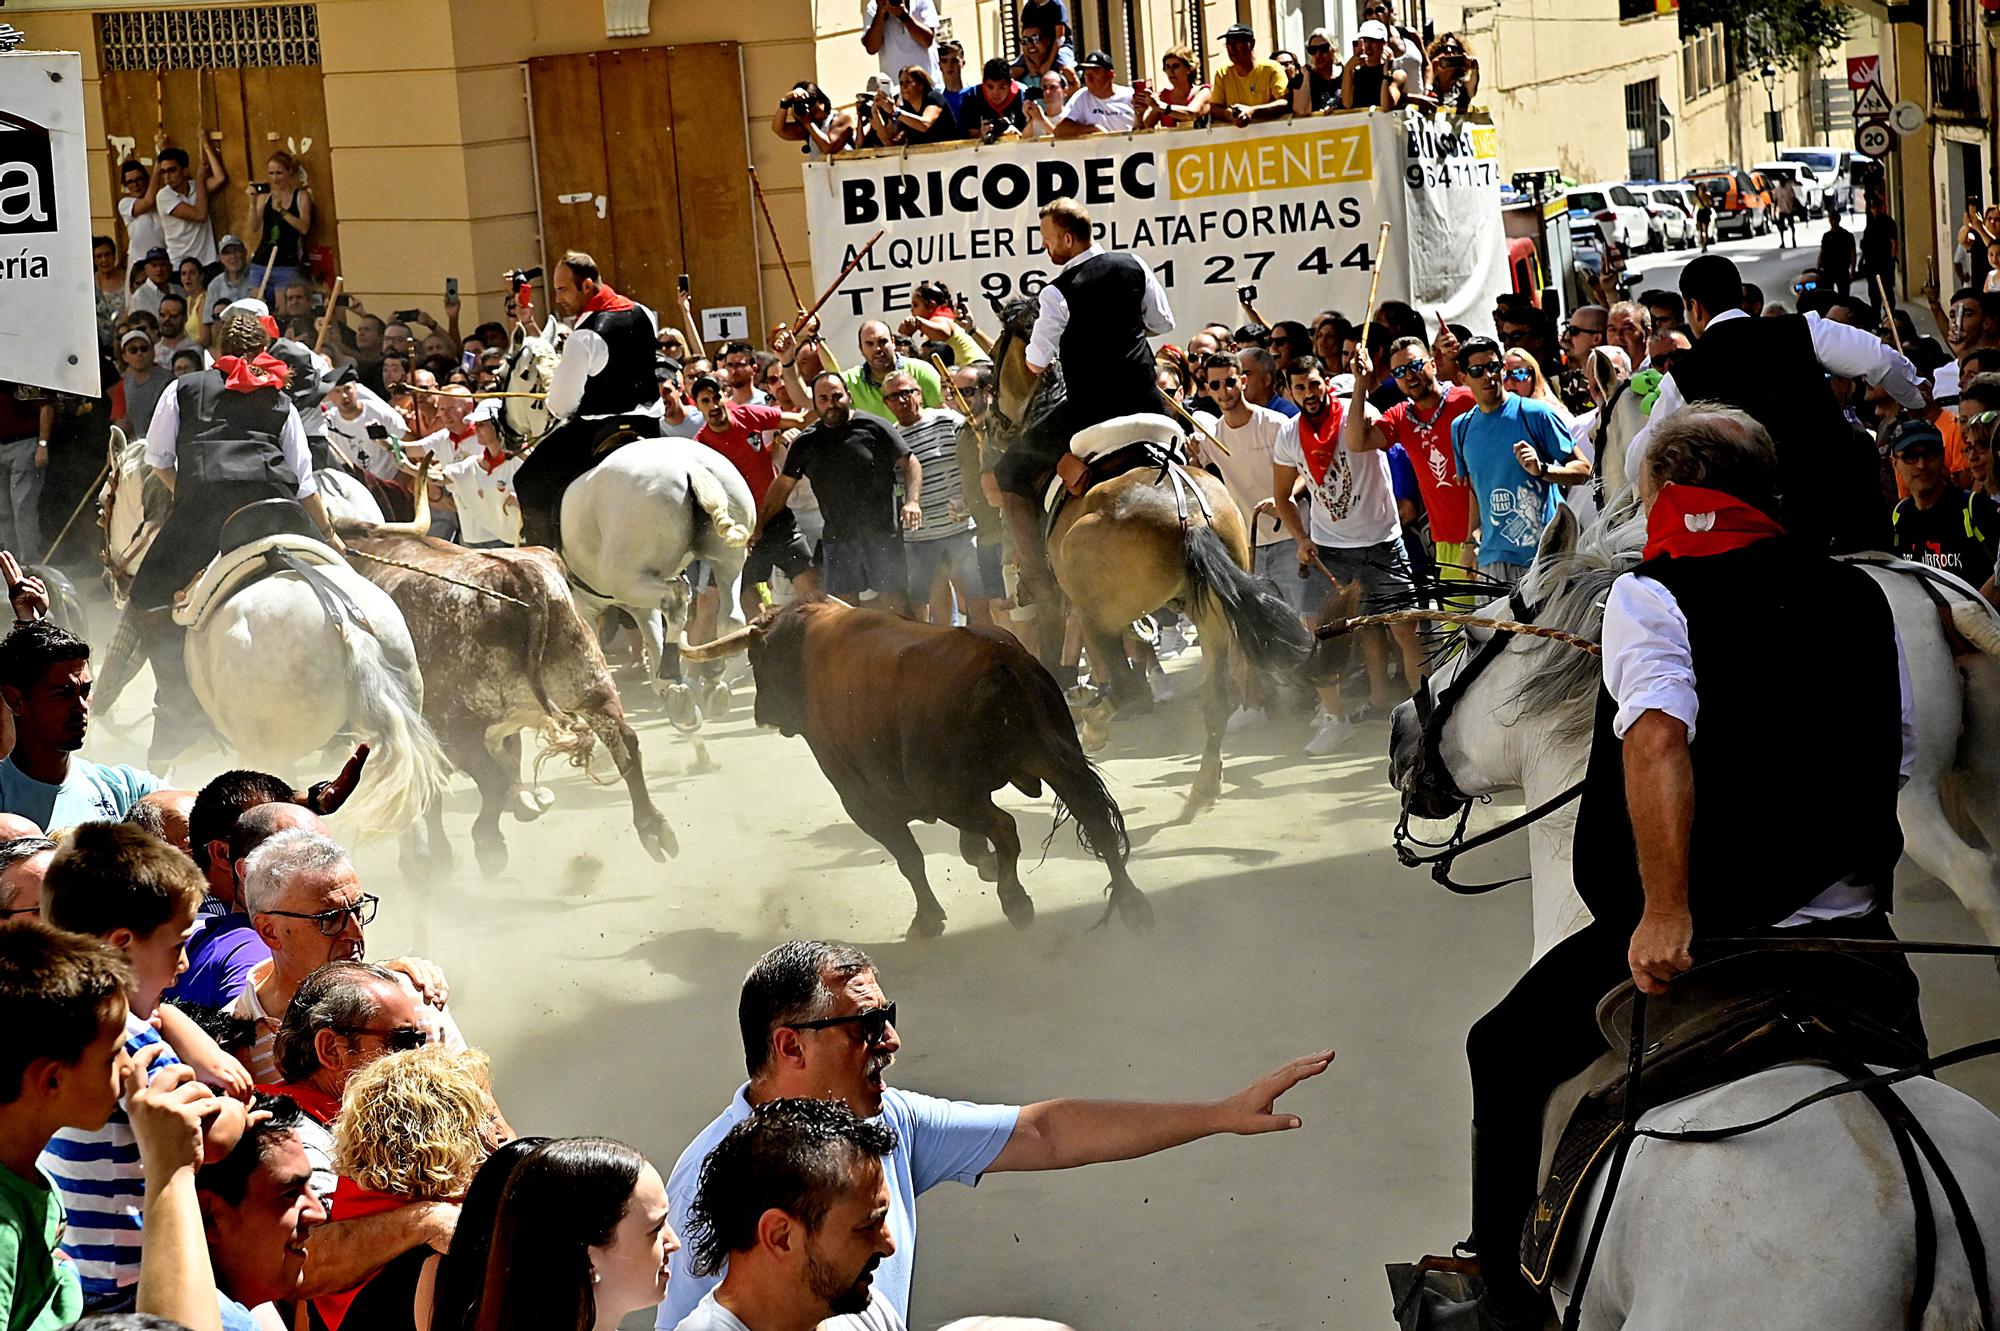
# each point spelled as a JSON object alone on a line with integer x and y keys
{"x": 220, "y": 955}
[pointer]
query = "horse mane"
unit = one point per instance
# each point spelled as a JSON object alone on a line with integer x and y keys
{"x": 1561, "y": 692}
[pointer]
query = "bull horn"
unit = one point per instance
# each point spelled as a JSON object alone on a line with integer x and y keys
{"x": 727, "y": 645}
{"x": 420, "y": 525}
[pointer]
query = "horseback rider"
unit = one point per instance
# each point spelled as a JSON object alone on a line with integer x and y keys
{"x": 1096, "y": 314}
{"x": 603, "y": 384}
{"x": 1701, "y": 697}
{"x": 224, "y": 437}
{"x": 1776, "y": 370}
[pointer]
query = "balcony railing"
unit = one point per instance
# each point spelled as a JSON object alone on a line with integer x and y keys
{"x": 1955, "y": 78}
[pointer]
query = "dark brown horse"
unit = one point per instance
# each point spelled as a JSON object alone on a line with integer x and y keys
{"x": 1138, "y": 542}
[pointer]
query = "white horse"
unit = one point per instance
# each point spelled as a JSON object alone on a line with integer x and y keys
{"x": 1783, "y": 1220}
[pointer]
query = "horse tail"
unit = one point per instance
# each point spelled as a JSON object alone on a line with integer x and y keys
{"x": 409, "y": 769}
{"x": 712, "y": 498}
{"x": 1265, "y": 624}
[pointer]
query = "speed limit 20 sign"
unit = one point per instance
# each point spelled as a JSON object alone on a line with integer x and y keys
{"x": 1874, "y": 138}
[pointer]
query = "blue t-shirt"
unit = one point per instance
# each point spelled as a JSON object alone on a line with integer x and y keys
{"x": 1402, "y": 475}
{"x": 1283, "y": 405}
{"x": 936, "y": 1140}
{"x": 1513, "y": 506}
{"x": 90, "y": 793}
{"x": 220, "y": 955}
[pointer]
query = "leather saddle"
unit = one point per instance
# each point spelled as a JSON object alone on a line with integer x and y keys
{"x": 1719, "y": 1022}
{"x": 1144, "y": 441}
{"x": 258, "y": 540}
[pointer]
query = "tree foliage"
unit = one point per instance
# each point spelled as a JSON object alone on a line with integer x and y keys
{"x": 1790, "y": 34}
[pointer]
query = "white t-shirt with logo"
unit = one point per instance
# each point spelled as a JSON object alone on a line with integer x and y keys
{"x": 1111, "y": 114}
{"x": 708, "y": 1315}
{"x": 483, "y": 498}
{"x": 185, "y": 239}
{"x": 1246, "y": 470}
{"x": 373, "y": 456}
{"x": 1354, "y": 505}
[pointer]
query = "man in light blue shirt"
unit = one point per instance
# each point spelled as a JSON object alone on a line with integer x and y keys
{"x": 816, "y": 1025}
{"x": 45, "y": 683}
{"x": 1514, "y": 452}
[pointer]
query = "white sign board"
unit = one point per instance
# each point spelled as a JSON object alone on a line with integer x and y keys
{"x": 48, "y": 311}
{"x": 725, "y": 323}
{"x": 1292, "y": 208}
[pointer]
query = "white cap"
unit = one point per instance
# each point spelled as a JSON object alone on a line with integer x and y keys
{"x": 251, "y": 305}
{"x": 228, "y": 241}
{"x": 487, "y": 410}
{"x": 1372, "y": 30}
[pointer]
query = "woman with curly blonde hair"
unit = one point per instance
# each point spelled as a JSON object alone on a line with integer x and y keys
{"x": 413, "y": 1127}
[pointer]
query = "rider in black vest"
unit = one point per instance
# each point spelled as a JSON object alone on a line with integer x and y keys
{"x": 1728, "y": 793}
{"x": 1776, "y": 370}
{"x": 1095, "y": 318}
{"x": 222, "y": 438}
{"x": 605, "y": 383}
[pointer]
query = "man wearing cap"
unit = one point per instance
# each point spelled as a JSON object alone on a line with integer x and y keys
{"x": 1689, "y": 734}
{"x": 224, "y": 437}
{"x": 1776, "y": 370}
{"x": 1101, "y": 106}
{"x": 604, "y": 383}
{"x": 143, "y": 380}
{"x": 1938, "y": 523}
{"x": 159, "y": 282}
{"x": 231, "y": 284}
{"x": 1247, "y": 88}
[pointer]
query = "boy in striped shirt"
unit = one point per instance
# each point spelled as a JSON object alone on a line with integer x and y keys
{"x": 135, "y": 892}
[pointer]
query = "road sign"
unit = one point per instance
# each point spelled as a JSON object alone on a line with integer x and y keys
{"x": 1906, "y": 118}
{"x": 1872, "y": 104}
{"x": 1874, "y": 139}
{"x": 1863, "y": 70}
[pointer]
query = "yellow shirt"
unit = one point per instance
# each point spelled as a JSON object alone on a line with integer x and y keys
{"x": 1264, "y": 83}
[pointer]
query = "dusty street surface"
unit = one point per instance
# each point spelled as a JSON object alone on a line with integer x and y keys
{"x": 604, "y": 987}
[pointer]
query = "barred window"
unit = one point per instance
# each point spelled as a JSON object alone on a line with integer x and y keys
{"x": 245, "y": 38}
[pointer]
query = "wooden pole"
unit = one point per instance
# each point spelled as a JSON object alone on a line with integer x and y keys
{"x": 439, "y": 392}
{"x": 270, "y": 262}
{"x": 1889, "y": 313}
{"x": 1375, "y": 281}
{"x": 327, "y": 321}
{"x": 764, "y": 207}
{"x": 805, "y": 317}
{"x": 1183, "y": 413}
{"x": 944, "y": 377}
{"x": 159, "y": 107}
{"x": 77, "y": 512}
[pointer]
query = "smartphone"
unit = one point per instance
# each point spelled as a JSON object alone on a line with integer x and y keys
{"x": 1141, "y": 85}
{"x": 344, "y": 301}
{"x": 408, "y": 316}
{"x": 470, "y": 360}
{"x": 684, "y": 284}
{"x": 378, "y": 432}
{"x": 451, "y": 288}
{"x": 261, "y": 187}
{"x": 1248, "y": 295}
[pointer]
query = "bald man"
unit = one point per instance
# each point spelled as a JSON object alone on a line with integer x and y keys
{"x": 14, "y": 825}
{"x": 165, "y": 813}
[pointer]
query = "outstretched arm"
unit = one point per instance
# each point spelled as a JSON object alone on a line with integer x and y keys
{"x": 1062, "y": 1134}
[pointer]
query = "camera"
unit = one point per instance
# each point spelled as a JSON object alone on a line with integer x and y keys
{"x": 520, "y": 277}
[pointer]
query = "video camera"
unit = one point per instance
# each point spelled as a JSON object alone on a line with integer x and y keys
{"x": 521, "y": 277}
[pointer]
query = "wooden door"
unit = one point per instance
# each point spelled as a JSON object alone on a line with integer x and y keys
{"x": 662, "y": 188}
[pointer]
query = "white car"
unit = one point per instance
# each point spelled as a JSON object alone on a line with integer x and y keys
{"x": 1621, "y": 211}
{"x": 1806, "y": 183}
{"x": 1671, "y": 219}
{"x": 1832, "y": 168}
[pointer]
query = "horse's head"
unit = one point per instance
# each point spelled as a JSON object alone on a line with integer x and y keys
{"x": 1458, "y": 739}
{"x": 131, "y": 509}
{"x": 1018, "y": 387}
{"x": 531, "y": 364}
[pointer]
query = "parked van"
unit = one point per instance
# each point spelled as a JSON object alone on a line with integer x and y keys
{"x": 1835, "y": 168}
{"x": 1742, "y": 199}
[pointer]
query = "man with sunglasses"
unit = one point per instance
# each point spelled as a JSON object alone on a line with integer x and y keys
{"x": 1040, "y": 54}
{"x": 1512, "y": 452}
{"x": 816, "y": 1025}
{"x": 305, "y": 900}
{"x": 1939, "y": 523}
{"x": 1422, "y": 423}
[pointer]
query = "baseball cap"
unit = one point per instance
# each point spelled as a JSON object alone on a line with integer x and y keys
{"x": 1239, "y": 32}
{"x": 1372, "y": 31}
{"x": 157, "y": 252}
{"x": 665, "y": 368}
{"x": 251, "y": 305}
{"x": 487, "y": 410}
{"x": 137, "y": 333}
{"x": 1095, "y": 60}
{"x": 1913, "y": 432}
{"x": 230, "y": 242}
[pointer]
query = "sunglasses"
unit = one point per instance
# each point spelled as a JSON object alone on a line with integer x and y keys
{"x": 331, "y": 922}
{"x": 1520, "y": 376}
{"x": 1984, "y": 418}
{"x": 1921, "y": 453}
{"x": 901, "y": 393}
{"x": 1575, "y": 331}
{"x": 1484, "y": 370}
{"x": 1217, "y": 385}
{"x": 1317, "y": 48}
{"x": 872, "y": 1026}
{"x": 1405, "y": 371}
{"x": 400, "y": 1039}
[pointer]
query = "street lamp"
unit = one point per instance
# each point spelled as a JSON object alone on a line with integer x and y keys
{"x": 1773, "y": 124}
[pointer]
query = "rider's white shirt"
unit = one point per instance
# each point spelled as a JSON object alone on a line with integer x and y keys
{"x": 1649, "y": 666}
{"x": 163, "y": 438}
{"x": 584, "y": 354}
{"x": 1053, "y": 313}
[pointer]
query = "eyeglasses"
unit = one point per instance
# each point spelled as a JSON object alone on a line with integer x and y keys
{"x": 331, "y": 922}
{"x": 401, "y": 1039}
{"x": 872, "y": 1026}
{"x": 901, "y": 392}
{"x": 1520, "y": 376}
{"x": 1217, "y": 385}
{"x": 1405, "y": 371}
{"x": 1033, "y": 39}
{"x": 1317, "y": 48}
{"x": 1485, "y": 369}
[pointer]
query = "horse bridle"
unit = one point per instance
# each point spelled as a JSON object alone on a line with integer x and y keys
{"x": 1431, "y": 773}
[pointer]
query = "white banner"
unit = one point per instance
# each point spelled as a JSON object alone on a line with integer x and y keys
{"x": 1290, "y": 208}
{"x": 48, "y": 311}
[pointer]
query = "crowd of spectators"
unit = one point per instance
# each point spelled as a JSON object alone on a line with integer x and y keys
{"x": 1048, "y": 89}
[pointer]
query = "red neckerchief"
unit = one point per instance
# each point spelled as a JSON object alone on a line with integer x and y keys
{"x": 604, "y": 298}
{"x": 1319, "y": 442}
{"x": 490, "y": 467}
{"x": 1689, "y": 521}
{"x": 316, "y": 1104}
{"x": 351, "y": 1201}
{"x": 261, "y": 371}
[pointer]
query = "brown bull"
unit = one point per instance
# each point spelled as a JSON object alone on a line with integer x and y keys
{"x": 920, "y": 722}
{"x": 497, "y": 668}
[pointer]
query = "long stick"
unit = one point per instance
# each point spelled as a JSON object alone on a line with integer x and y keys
{"x": 440, "y": 392}
{"x": 944, "y": 377}
{"x": 757, "y": 186}
{"x": 325, "y": 323}
{"x": 77, "y": 512}
{"x": 805, "y": 317}
{"x": 1889, "y": 313}
{"x": 1375, "y": 281}
{"x": 1182, "y": 412}
{"x": 270, "y": 262}
{"x": 441, "y": 577}
{"x": 1342, "y": 626}
{"x": 160, "y": 102}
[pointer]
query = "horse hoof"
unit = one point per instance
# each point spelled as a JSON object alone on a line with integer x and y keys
{"x": 543, "y": 796}
{"x": 523, "y": 806}
{"x": 1093, "y": 737}
{"x": 1134, "y": 910}
{"x": 1201, "y": 794}
{"x": 716, "y": 699}
{"x": 492, "y": 855}
{"x": 925, "y": 926}
{"x": 683, "y": 711}
{"x": 1019, "y": 909}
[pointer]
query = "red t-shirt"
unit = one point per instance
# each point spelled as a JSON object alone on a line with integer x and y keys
{"x": 745, "y": 420}
{"x": 1428, "y": 442}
